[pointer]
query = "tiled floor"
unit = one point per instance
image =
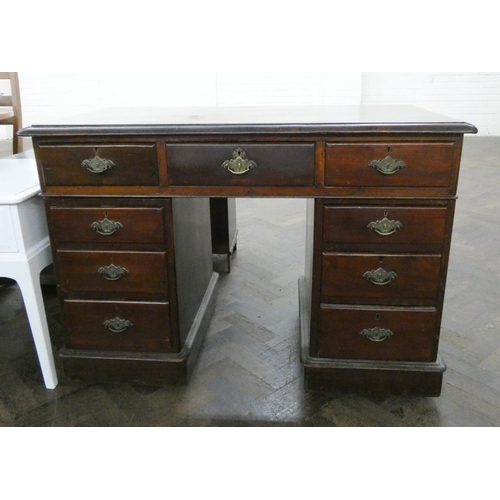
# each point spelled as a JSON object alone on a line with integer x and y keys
{"x": 249, "y": 372}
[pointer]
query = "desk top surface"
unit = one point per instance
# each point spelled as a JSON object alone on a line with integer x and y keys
{"x": 18, "y": 180}
{"x": 252, "y": 120}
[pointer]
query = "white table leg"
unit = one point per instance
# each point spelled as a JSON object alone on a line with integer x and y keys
{"x": 29, "y": 283}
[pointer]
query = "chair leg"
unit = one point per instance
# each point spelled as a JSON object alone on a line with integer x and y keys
{"x": 17, "y": 143}
{"x": 33, "y": 301}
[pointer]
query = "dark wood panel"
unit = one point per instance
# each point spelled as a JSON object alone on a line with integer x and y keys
{"x": 223, "y": 227}
{"x": 147, "y": 327}
{"x": 426, "y": 164}
{"x": 146, "y": 271}
{"x": 88, "y": 225}
{"x": 406, "y": 382}
{"x": 358, "y": 224}
{"x": 273, "y": 164}
{"x": 193, "y": 257}
{"x": 414, "y": 333}
{"x": 406, "y": 276}
{"x": 133, "y": 165}
{"x": 104, "y": 367}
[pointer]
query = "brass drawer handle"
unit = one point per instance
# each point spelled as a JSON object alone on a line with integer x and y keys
{"x": 97, "y": 165}
{"x": 112, "y": 272}
{"x": 106, "y": 227}
{"x": 385, "y": 227}
{"x": 118, "y": 325}
{"x": 376, "y": 334}
{"x": 380, "y": 276}
{"x": 239, "y": 164}
{"x": 388, "y": 165}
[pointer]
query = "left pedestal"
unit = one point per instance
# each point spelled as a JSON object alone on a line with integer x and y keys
{"x": 136, "y": 286}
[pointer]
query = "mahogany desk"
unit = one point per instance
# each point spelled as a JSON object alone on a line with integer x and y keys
{"x": 127, "y": 200}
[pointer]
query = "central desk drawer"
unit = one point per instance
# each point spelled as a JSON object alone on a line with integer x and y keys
{"x": 241, "y": 164}
{"x": 108, "y": 225}
{"x": 396, "y": 277}
{"x": 131, "y": 326}
{"x": 99, "y": 164}
{"x": 389, "y": 164}
{"x": 139, "y": 272}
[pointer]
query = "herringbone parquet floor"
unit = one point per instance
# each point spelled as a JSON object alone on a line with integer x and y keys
{"x": 249, "y": 371}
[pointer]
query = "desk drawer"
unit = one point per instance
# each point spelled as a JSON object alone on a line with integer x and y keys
{"x": 139, "y": 272}
{"x": 412, "y": 225}
{"x": 388, "y": 164}
{"x": 241, "y": 164}
{"x": 101, "y": 165}
{"x": 130, "y": 326}
{"x": 392, "y": 334}
{"x": 367, "y": 276}
{"x": 108, "y": 225}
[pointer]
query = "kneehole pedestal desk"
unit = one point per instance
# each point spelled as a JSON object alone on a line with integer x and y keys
{"x": 127, "y": 201}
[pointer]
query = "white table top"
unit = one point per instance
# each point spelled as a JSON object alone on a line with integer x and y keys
{"x": 18, "y": 180}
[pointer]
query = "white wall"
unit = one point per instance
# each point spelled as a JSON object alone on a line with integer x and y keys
{"x": 473, "y": 97}
{"x": 286, "y": 88}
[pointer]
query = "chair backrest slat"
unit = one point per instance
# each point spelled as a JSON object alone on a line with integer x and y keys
{"x": 5, "y": 100}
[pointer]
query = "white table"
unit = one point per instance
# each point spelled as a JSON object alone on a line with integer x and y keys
{"x": 25, "y": 249}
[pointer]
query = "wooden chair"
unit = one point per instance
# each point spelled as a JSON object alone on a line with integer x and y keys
{"x": 10, "y": 109}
